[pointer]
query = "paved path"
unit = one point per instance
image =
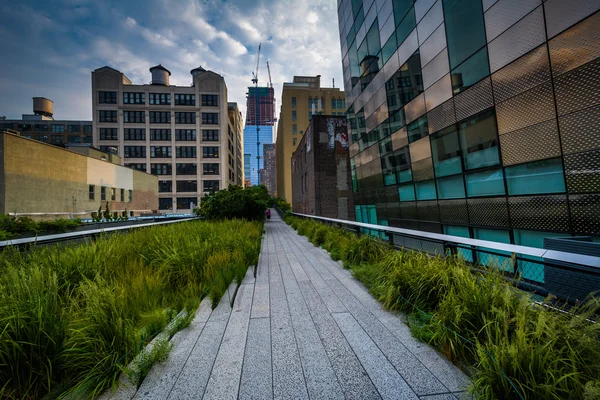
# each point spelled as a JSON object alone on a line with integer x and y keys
{"x": 302, "y": 329}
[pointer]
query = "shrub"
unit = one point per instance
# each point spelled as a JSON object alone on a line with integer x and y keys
{"x": 248, "y": 203}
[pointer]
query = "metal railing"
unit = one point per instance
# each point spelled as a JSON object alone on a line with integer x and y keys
{"x": 571, "y": 277}
{"x": 63, "y": 237}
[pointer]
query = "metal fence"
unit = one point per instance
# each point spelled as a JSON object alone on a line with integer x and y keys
{"x": 570, "y": 277}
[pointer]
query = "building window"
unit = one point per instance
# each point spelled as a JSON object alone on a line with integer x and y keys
{"x": 465, "y": 29}
{"x": 73, "y": 128}
{"x": 446, "y": 152}
{"x": 122, "y": 194}
{"x": 210, "y": 100}
{"x": 485, "y": 183}
{"x": 87, "y": 129}
{"x": 185, "y": 135}
{"x": 137, "y": 166}
{"x": 294, "y": 116}
{"x": 107, "y": 116}
{"x": 130, "y": 195}
{"x": 294, "y": 141}
{"x": 160, "y": 169}
{"x": 294, "y": 129}
{"x": 58, "y": 128}
{"x": 165, "y": 204}
{"x": 293, "y": 102}
{"x": 210, "y": 118}
{"x": 341, "y": 104}
{"x": 134, "y": 151}
{"x": 186, "y": 169}
{"x": 108, "y": 134}
{"x": 185, "y": 151}
{"x": 185, "y": 117}
{"x": 113, "y": 194}
{"x": 107, "y": 97}
{"x": 165, "y": 186}
{"x": 210, "y": 152}
{"x": 452, "y": 187}
{"x": 186, "y": 203}
{"x": 417, "y": 129}
{"x": 134, "y": 98}
{"x": 478, "y": 141}
{"x": 310, "y": 114}
{"x": 134, "y": 134}
{"x": 333, "y": 104}
{"x": 187, "y": 186}
{"x": 74, "y": 139}
{"x": 86, "y": 139}
{"x": 210, "y": 135}
{"x": 160, "y": 117}
{"x": 160, "y": 151}
{"x": 160, "y": 98}
{"x": 109, "y": 149}
{"x": 160, "y": 134}
{"x": 210, "y": 186}
{"x": 544, "y": 176}
{"x": 102, "y": 193}
{"x": 131, "y": 117}
{"x": 185, "y": 99}
{"x": 92, "y": 194}
{"x": 210, "y": 169}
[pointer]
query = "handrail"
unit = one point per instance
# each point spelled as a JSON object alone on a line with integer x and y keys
{"x": 80, "y": 234}
{"x": 550, "y": 255}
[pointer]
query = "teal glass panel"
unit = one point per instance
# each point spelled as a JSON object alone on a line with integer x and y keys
{"x": 405, "y": 176}
{"x": 471, "y": 71}
{"x": 451, "y": 187}
{"x": 389, "y": 48}
{"x": 383, "y": 235}
{"x": 465, "y": 29}
{"x": 544, "y": 176}
{"x": 401, "y": 7}
{"x": 406, "y": 192}
{"x": 356, "y": 7}
{"x": 357, "y": 214}
{"x": 373, "y": 39}
{"x": 363, "y": 51}
{"x": 389, "y": 178}
{"x": 485, "y": 183}
{"x": 425, "y": 190}
{"x": 406, "y": 26}
{"x": 532, "y": 270}
{"x": 479, "y": 140}
{"x": 359, "y": 17}
{"x": 372, "y": 211}
{"x": 417, "y": 129}
{"x": 492, "y": 260}
{"x": 354, "y": 181}
{"x": 461, "y": 231}
{"x": 445, "y": 152}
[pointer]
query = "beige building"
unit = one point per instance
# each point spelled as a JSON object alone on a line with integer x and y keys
{"x": 299, "y": 100}
{"x": 183, "y": 134}
{"x": 237, "y": 122}
{"x": 45, "y": 181}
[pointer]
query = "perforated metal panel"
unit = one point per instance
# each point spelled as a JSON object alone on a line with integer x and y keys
{"x": 576, "y": 46}
{"x": 492, "y": 211}
{"x": 473, "y": 100}
{"x": 488, "y": 3}
{"x": 433, "y": 45}
{"x": 535, "y": 142}
{"x": 504, "y": 14}
{"x": 415, "y": 108}
{"x": 580, "y": 130}
{"x": 527, "y": 72}
{"x": 529, "y": 108}
{"x": 428, "y": 211}
{"x": 429, "y": 23}
{"x": 408, "y": 210}
{"x": 441, "y": 116}
{"x": 540, "y": 213}
{"x": 525, "y": 35}
{"x": 437, "y": 68}
{"x": 585, "y": 213}
{"x": 454, "y": 211}
{"x": 438, "y": 93}
{"x": 579, "y": 88}
{"x": 561, "y": 14}
{"x": 583, "y": 172}
{"x": 421, "y": 8}
{"x": 422, "y": 170}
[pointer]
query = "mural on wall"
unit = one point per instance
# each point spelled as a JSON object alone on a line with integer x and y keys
{"x": 337, "y": 132}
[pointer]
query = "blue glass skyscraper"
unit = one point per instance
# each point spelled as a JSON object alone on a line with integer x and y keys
{"x": 258, "y": 131}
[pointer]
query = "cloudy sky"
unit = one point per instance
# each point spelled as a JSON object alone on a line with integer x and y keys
{"x": 49, "y": 48}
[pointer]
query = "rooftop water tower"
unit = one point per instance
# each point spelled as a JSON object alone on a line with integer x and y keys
{"x": 195, "y": 72}
{"x": 160, "y": 75}
{"x": 43, "y": 106}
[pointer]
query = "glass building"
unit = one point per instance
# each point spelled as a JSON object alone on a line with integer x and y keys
{"x": 475, "y": 118}
{"x": 254, "y": 159}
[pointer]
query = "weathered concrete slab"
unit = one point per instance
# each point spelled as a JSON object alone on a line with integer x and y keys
{"x": 257, "y": 374}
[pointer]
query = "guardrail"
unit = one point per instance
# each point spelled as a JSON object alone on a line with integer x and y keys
{"x": 62, "y": 237}
{"x": 571, "y": 277}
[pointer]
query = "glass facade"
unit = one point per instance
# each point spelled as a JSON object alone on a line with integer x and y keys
{"x": 253, "y": 150}
{"x": 474, "y": 123}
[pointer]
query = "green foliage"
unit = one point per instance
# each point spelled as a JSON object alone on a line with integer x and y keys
{"x": 248, "y": 203}
{"x": 4, "y": 235}
{"x": 71, "y": 314}
{"x": 20, "y": 225}
{"x": 107, "y": 215}
{"x": 546, "y": 354}
{"x": 282, "y": 204}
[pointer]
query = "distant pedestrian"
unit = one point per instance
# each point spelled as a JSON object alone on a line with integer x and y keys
{"x": 268, "y": 213}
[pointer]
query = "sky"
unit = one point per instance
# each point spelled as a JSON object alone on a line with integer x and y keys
{"x": 49, "y": 48}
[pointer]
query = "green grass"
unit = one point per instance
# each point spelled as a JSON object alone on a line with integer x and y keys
{"x": 72, "y": 316}
{"x": 477, "y": 319}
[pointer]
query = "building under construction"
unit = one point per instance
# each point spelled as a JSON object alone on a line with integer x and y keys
{"x": 260, "y": 119}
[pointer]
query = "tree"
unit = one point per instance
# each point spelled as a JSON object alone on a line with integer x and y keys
{"x": 235, "y": 202}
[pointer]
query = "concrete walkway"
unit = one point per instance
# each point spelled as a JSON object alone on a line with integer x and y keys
{"x": 303, "y": 329}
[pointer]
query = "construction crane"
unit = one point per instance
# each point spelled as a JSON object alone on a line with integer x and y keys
{"x": 269, "y": 70}
{"x": 255, "y": 73}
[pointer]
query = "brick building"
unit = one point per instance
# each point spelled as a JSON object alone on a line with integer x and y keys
{"x": 321, "y": 181}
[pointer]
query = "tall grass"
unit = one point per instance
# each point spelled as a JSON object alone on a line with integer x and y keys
{"x": 511, "y": 346}
{"x": 72, "y": 316}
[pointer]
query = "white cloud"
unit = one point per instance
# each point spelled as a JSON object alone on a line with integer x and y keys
{"x": 150, "y": 36}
